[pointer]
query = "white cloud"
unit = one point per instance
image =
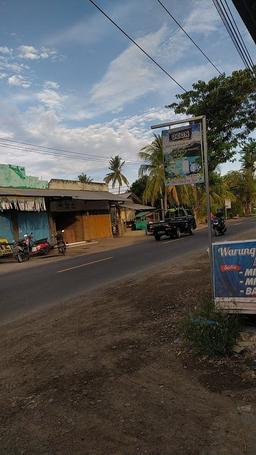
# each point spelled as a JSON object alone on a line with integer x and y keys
{"x": 3, "y": 75}
{"x": 51, "y": 85}
{"x": 203, "y": 18}
{"x": 121, "y": 136}
{"x": 5, "y": 50}
{"x": 18, "y": 81}
{"x": 92, "y": 29}
{"x": 7, "y": 65}
{"x": 129, "y": 76}
{"x": 51, "y": 98}
{"x": 28, "y": 52}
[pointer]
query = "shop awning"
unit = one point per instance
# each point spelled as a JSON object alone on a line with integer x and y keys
{"x": 32, "y": 204}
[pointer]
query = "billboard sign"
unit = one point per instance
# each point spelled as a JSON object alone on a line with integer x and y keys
{"x": 234, "y": 275}
{"x": 182, "y": 150}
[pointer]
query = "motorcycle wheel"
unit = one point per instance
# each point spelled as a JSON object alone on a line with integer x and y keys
{"x": 157, "y": 237}
{"x": 178, "y": 233}
{"x": 216, "y": 233}
{"x": 62, "y": 250}
{"x": 19, "y": 258}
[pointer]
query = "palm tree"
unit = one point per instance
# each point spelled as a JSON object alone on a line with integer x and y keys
{"x": 153, "y": 167}
{"x": 84, "y": 178}
{"x": 115, "y": 175}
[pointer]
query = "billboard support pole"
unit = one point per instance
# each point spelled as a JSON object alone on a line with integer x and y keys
{"x": 208, "y": 199}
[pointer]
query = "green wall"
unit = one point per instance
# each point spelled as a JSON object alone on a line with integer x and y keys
{"x": 15, "y": 177}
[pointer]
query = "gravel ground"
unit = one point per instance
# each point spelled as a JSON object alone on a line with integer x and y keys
{"x": 107, "y": 375}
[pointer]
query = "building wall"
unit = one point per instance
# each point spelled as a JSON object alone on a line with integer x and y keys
{"x": 6, "y": 230}
{"x": 15, "y": 177}
{"x": 35, "y": 222}
{"x": 57, "y": 184}
{"x": 79, "y": 226}
{"x": 14, "y": 225}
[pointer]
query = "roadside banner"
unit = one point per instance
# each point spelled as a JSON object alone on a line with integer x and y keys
{"x": 227, "y": 204}
{"x": 234, "y": 275}
{"x": 182, "y": 150}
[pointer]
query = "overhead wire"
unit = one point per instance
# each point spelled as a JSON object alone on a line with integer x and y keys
{"x": 187, "y": 34}
{"x": 239, "y": 34}
{"x": 224, "y": 15}
{"x": 42, "y": 150}
{"x": 47, "y": 148}
{"x": 235, "y": 35}
{"x": 138, "y": 45}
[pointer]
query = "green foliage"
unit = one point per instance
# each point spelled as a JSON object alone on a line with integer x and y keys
{"x": 138, "y": 187}
{"x": 211, "y": 332}
{"x": 153, "y": 168}
{"x": 229, "y": 103}
{"x": 84, "y": 178}
{"x": 242, "y": 183}
{"x": 115, "y": 175}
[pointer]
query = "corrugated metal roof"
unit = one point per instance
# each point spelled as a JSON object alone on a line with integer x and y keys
{"x": 75, "y": 194}
{"x": 133, "y": 206}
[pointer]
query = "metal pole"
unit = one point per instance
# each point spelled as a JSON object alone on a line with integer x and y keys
{"x": 208, "y": 199}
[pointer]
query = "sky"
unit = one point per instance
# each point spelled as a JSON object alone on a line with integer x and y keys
{"x": 70, "y": 80}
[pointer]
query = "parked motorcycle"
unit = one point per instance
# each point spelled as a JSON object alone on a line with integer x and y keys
{"x": 219, "y": 226}
{"x": 20, "y": 251}
{"x": 36, "y": 247}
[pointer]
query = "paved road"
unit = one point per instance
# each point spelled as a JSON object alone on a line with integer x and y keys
{"x": 33, "y": 288}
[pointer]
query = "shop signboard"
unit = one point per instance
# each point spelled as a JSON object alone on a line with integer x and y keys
{"x": 234, "y": 275}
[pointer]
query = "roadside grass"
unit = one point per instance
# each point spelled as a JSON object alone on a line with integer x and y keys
{"x": 211, "y": 332}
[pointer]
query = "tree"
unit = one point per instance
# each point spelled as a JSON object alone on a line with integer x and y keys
{"x": 242, "y": 184}
{"x": 115, "y": 175}
{"x": 248, "y": 158}
{"x": 84, "y": 178}
{"x": 229, "y": 104}
{"x": 138, "y": 186}
{"x": 153, "y": 167}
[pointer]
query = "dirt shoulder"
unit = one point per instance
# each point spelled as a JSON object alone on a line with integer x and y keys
{"x": 106, "y": 375}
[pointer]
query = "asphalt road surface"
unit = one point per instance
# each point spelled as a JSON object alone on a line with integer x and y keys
{"x": 30, "y": 289}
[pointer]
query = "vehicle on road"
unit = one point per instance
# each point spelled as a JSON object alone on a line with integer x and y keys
{"x": 61, "y": 244}
{"x": 219, "y": 226}
{"x": 177, "y": 222}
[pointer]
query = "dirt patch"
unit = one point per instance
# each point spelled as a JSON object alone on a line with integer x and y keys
{"x": 105, "y": 375}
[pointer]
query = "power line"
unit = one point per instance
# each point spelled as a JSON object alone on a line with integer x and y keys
{"x": 20, "y": 147}
{"x": 49, "y": 148}
{"x": 240, "y": 35}
{"x": 72, "y": 155}
{"x": 136, "y": 44}
{"x": 191, "y": 39}
{"x": 225, "y": 22}
{"x": 236, "y": 36}
{"x": 232, "y": 33}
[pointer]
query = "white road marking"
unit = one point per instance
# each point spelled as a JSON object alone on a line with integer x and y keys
{"x": 84, "y": 265}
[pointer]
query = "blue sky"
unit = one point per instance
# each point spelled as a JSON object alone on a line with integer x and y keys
{"x": 70, "y": 80}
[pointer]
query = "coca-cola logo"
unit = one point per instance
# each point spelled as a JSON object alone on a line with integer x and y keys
{"x": 230, "y": 268}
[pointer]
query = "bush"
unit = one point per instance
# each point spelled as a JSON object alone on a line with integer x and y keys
{"x": 211, "y": 332}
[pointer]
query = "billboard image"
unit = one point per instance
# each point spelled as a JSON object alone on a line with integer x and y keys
{"x": 182, "y": 149}
{"x": 234, "y": 275}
